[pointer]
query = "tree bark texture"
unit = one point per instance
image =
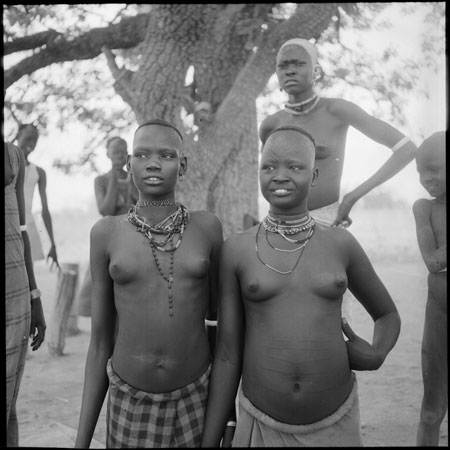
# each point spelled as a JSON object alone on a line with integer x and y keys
{"x": 65, "y": 294}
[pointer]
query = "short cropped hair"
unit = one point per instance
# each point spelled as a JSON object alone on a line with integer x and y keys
{"x": 24, "y": 126}
{"x": 112, "y": 139}
{"x": 162, "y": 123}
{"x": 286, "y": 128}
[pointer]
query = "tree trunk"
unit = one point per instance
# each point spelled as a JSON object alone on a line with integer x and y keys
{"x": 65, "y": 294}
{"x": 231, "y": 68}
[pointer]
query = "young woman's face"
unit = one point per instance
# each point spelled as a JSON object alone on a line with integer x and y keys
{"x": 117, "y": 152}
{"x": 430, "y": 164}
{"x": 287, "y": 171}
{"x": 156, "y": 161}
{"x": 27, "y": 140}
{"x": 294, "y": 69}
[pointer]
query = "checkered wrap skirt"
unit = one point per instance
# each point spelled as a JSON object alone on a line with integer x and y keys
{"x": 142, "y": 419}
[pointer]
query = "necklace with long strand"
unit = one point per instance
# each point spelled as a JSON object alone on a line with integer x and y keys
{"x": 173, "y": 224}
{"x": 299, "y": 241}
{"x": 281, "y": 272}
{"x": 298, "y": 108}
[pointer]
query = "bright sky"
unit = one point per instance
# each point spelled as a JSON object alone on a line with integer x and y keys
{"x": 363, "y": 156}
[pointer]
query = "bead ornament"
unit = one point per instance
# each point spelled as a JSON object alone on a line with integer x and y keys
{"x": 301, "y": 248}
{"x": 299, "y": 108}
{"x": 172, "y": 225}
{"x": 144, "y": 203}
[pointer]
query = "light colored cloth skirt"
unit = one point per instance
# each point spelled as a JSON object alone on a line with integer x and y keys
{"x": 341, "y": 429}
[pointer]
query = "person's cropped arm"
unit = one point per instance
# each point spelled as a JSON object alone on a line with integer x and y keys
{"x": 369, "y": 290}
{"x": 46, "y": 217}
{"x": 403, "y": 151}
{"x": 434, "y": 257}
{"x": 216, "y": 235}
{"x": 37, "y": 324}
{"x": 102, "y": 336}
{"x": 106, "y": 197}
{"x": 227, "y": 365}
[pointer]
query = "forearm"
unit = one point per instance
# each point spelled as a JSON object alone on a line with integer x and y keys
{"x": 398, "y": 160}
{"x": 436, "y": 260}
{"x": 221, "y": 400}
{"x": 48, "y": 225}
{"x": 28, "y": 260}
{"x": 107, "y": 206}
{"x": 94, "y": 392}
{"x": 386, "y": 332}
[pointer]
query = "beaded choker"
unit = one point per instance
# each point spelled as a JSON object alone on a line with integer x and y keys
{"x": 299, "y": 108}
{"x": 301, "y": 248}
{"x": 173, "y": 224}
{"x": 287, "y": 227}
{"x": 144, "y": 203}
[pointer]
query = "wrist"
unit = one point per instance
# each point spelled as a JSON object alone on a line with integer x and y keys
{"x": 35, "y": 293}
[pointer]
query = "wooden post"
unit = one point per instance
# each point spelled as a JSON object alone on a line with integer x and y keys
{"x": 65, "y": 294}
{"x": 72, "y": 326}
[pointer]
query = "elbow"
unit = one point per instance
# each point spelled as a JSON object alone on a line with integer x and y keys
{"x": 406, "y": 154}
{"x": 433, "y": 266}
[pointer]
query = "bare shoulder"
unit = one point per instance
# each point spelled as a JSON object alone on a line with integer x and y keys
{"x": 208, "y": 222}
{"x": 422, "y": 205}
{"x": 336, "y": 237}
{"x": 104, "y": 228}
{"x": 341, "y": 108}
{"x": 269, "y": 123}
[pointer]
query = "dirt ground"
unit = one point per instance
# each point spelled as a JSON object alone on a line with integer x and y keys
{"x": 50, "y": 395}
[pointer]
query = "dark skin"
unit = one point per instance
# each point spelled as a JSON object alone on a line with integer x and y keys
{"x": 26, "y": 141}
{"x": 38, "y": 325}
{"x": 115, "y": 191}
{"x": 283, "y": 333}
{"x": 431, "y": 228}
{"x": 328, "y": 123}
{"x": 152, "y": 351}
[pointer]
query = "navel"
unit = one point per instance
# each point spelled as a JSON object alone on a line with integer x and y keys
{"x": 296, "y": 387}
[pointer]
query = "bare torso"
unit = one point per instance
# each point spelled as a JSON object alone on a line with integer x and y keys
{"x": 330, "y": 135}
{"x": 154, "y": 351}
{"x": 438, "y": 217}
{"x": 296, "y": 367}
{"x": 126, "y": 192}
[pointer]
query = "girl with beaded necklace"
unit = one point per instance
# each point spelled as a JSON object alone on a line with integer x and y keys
{"x": 328, "y": 121}
{"x": 154, "y": 274}
{"x": 279, "y": 317}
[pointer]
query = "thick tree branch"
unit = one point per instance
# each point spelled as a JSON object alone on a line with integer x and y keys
{"x": 122, "y": 76}
{"x": 30, "y": 42}
{"x": 126, "y": 34}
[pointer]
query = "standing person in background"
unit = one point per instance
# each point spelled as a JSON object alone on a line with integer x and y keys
{"x": 154, "y": 274}
{"x": 115, "y": 192}
{"x": 27, "y": 137}
{"x": 431, "y": 227}
{"x": 23, "y": 306}
{"x": 328, "y": 121}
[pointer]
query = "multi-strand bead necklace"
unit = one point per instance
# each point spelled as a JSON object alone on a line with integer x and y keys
{"x": 300, "y": 108}
{"x": 285, "y": 228}
{"x": 172, "y": 225}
